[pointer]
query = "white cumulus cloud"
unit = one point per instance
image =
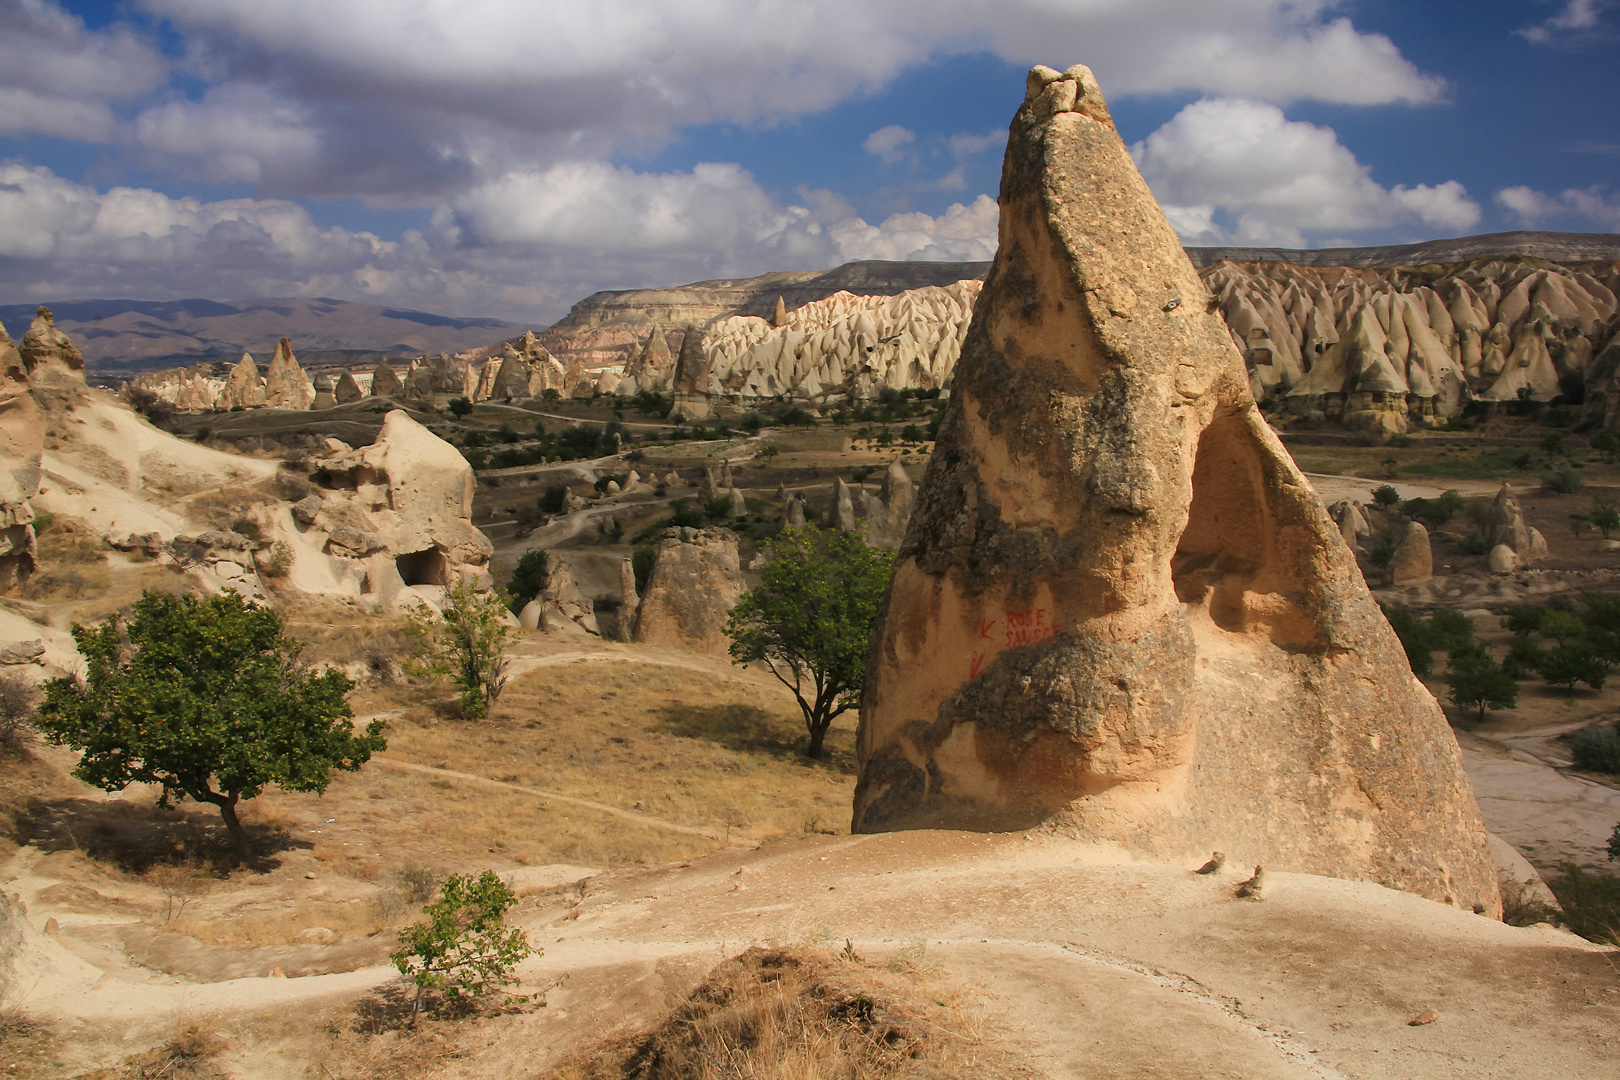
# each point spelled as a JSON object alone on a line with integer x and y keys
{"x": 890, "y": 144}
{"x": 1278, "y": 180}
{"x": 1576, "y": 15}
{"x": 522, "y": 246}
{"x": 57, "y": 78}
{"x": 1592, "y": 206}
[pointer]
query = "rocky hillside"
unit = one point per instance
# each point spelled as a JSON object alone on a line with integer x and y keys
{"x": 609, "y": 327}
{"x": 138, "y": 334}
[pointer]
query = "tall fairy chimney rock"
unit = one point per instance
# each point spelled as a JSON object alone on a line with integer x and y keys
{"x": 285, "y": 384}
{"x": 691, "y": 381}
{"x": 1120, "y": 609}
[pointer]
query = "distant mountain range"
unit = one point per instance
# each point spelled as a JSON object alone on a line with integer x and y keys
{"x": 605, "y": 326}
{"x": 145, "y": 334}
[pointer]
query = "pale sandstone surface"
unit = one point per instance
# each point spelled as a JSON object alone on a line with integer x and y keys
{"x": 1120, "y": 609}
{"x": 696, "y": 580}
{"x": 1091, "y": 967}
{"x": 49, "y": 354}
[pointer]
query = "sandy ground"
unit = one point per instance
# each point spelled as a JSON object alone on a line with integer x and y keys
{"x": 1092, "y": 967}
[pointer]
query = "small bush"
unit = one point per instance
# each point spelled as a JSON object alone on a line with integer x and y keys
{"x": 1596, "y": 749}
{"x": 1565, "y": 481}
{"x": 1386, "y": 496}
{"x": 1591, "y": 903}
{"x": 464, "y": 949}
{"x": 17, "y": 697}
{"x": 279, "y": 561}
{"x": 416, "y": 882}
{"x": 1383, "y": 551}
{"x": 555, "y": 498}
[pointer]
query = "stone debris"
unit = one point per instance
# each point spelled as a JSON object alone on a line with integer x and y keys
{"x": 23, "y": 652}
{"x": 1255, "y": 887}
{"x": 1120, "y": 610}
{"x": 1216, "y": 862}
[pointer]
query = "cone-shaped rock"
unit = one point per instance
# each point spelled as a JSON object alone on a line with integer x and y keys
{"x": 691, "y": 379}
{"x": 244, "y": 388}
{"x": 324, "y": 397}
{"x": 285, "y": 384}
{"x": 779, "y": 317}
{"x": 385, "y": 382}
{"x": 1119, "y": 607}
{"x": 346, "y": 390}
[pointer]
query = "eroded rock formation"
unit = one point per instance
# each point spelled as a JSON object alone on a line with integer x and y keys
{"x": 1120, "y": 609}
{"x": 696, "y": 580}
{"x": 398, "y": 513}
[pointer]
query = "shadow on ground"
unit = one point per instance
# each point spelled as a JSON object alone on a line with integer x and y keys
{"x": 750, "y": 730}
{"x": 137, "y": 838}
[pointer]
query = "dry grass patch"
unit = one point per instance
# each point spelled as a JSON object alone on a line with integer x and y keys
{"x": 805, "y": 1014}
{"x": 669, "y": 742}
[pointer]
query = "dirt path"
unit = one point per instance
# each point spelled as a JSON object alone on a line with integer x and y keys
{"x": 723, "y": 837}
{"x": 1091, "y": 965}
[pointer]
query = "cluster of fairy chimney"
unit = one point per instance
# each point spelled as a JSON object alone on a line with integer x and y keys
{"x": 524, "y": 370}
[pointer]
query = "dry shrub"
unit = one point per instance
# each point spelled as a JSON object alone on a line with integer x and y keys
{"x": 190, "y": 1054}
{"x": 16, "y": 711}
{"x": 1522, "y": 907}
{"x": 799, "y": 1014}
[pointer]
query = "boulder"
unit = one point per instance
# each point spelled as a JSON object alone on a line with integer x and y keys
{"x": 385, "y": 381}
{"x": 346, "y": 389}
{"x": 1503, "y": 560}
{"x": 695, "y": 581}
{"x": 1413, "y": 561}
{"x": 307, "y": 509}
{"x": 1120, "y": 610}
{"x": 1538, "y": 545}
{"x": 529, "y": 617}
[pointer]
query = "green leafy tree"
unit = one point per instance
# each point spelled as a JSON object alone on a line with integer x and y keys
{"x": 1415, "y": 639}
{"x": 206, "y": 699}
{"x": 1523, "y": 620}
{"x": 528, "y": 577}
{"x": 1450, "y": 629}
{"x": 1605, "y": 515}
{"x": 1477, "y": 680}
{"x": 1386, "y": 496}
{"x": 464, "y": 949}
{"x": 810, "y": 620}
{"x": 460, "y": 406}
{"x": 1567, "y": 664}
{"x": 465, "y": 640}
{"x": 1560, "y": 626}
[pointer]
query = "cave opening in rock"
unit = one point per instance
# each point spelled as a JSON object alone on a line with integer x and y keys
{"x": 1228, "y": 537}
{"x": 426, "y": 567}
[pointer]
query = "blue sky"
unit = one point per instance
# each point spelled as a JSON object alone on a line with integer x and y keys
{"x": 495, "y": 157}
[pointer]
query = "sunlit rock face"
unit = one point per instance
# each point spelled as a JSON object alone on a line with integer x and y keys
{"x": 1119, "y": 609}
